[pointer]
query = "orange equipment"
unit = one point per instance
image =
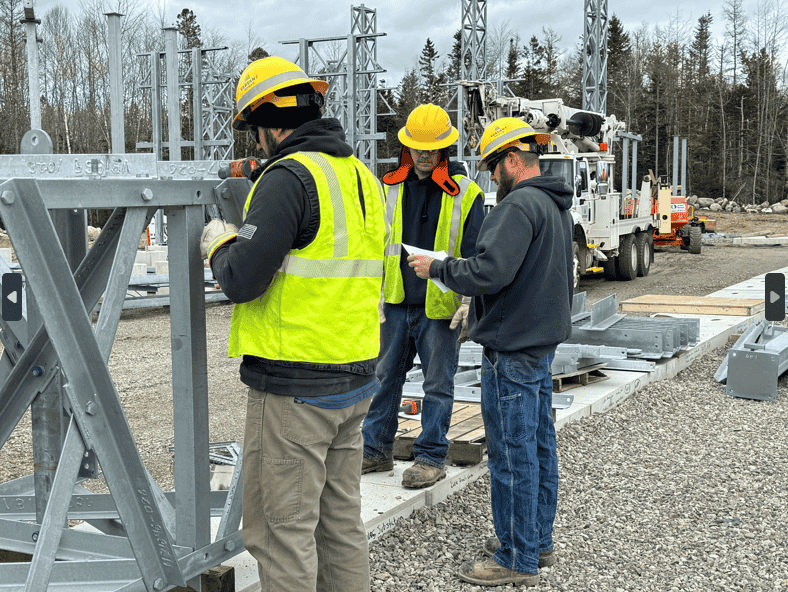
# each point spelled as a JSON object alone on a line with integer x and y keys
{"x": 684, "y": 229}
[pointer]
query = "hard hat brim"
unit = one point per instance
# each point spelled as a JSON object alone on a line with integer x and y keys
{"x": 434, "y": 145}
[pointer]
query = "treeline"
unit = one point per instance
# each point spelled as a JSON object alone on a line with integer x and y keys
{"x": 727, "y": 97}
{"x": 74, "y": 73}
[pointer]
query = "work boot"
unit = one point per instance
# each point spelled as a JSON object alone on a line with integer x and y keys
{"x": 488, "y": 573}
{"x": 546, "y": 559}
{"x": 372, "y": 465}
{"x": 422, "y": 475}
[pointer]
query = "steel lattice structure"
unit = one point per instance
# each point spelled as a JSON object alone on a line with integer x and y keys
{"x": 169, "y": 74}
{"x": 352, "y": 76}
{"x": 473, "y": 61}
{"x": 54, "y": 363}
{"x": 595, "y": 56}
{"x": 473, "y": 66}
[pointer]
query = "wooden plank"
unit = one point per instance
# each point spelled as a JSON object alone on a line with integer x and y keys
{"x": 565, "y": 382}
{"x": 461, "y": 431}
{"x": 460, "y": 412}
{"x": 466, "y": 453}
{"x": 693, "y": 305}
{"x": 464, "y": 429}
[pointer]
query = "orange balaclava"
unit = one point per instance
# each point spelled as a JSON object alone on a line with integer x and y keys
{"x": 440, "y": 174}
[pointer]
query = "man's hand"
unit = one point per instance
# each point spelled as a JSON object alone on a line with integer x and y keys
{"x": 421, "y": 265}
{"x": 216, "y": 233}
{"x": 461, "y": 317}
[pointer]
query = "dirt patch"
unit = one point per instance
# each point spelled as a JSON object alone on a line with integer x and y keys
{"x": 749, "y": 224}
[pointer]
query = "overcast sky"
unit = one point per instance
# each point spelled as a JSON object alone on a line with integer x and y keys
{"x": 408, "y": 23}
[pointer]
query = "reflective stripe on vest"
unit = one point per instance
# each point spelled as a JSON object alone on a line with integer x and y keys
{"x": 331, "y": 268}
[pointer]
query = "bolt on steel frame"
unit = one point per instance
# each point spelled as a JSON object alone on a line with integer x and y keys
{"x": 55, "y": 364}
{"x": 353, "y": 82}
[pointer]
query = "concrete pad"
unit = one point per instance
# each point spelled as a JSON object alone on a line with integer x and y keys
{"x": 139, "y": 269}
{"x": 162, "y": 267}
{"x": 6, "y": 254}
{"x": 157, "y": 256}
{"x": 142, "y": 257}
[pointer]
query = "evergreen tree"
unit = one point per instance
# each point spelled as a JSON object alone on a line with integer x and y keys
{"x": 512, "y": 61}
{"x": 186, "y": 23}
{"x": 619, "y": 56}
{"x": 430, "y": 91}
{"x": 453, "y": 71}
{"x": 258, "y": 53}
{"x": 408, "y": 96}
{"x": 534, "y": 80}
{"x": 700, "y": 49}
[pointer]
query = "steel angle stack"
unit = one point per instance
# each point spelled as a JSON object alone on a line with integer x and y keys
{"x": 645, "y": 339}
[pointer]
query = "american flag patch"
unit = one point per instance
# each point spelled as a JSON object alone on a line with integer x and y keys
{"x": 247, "y": 231}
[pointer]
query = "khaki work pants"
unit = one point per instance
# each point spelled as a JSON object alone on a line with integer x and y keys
{"x": 302, "y": 495}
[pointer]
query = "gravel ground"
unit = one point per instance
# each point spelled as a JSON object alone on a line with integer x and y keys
{"x": 678, "y": 488}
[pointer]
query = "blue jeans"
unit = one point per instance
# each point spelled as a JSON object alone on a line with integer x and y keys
{"x": 407, "y": 330}
{"x": 517, "y": 392}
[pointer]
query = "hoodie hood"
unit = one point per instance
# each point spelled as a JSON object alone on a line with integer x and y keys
{"x": 558, "y": 190}
{"x": 319, "y": 135}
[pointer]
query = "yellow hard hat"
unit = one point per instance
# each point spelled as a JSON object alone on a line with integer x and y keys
{"x": 262, "y": 78}
{"x": 508, "y": 132}
{"x": 428, "y": 128}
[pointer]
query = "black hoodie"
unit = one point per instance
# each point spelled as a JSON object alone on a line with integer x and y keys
{"x": 285, "y": 213}
{"x": 521, "y": 278}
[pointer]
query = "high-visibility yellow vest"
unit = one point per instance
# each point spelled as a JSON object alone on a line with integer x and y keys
{"x": 322, "y": 306}
{"x": 448, "y": 237}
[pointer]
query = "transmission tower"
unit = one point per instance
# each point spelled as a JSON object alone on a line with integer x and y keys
{"x": 595, "y": 56}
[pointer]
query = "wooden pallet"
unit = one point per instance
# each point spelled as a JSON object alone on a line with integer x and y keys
{"x": 582, "y": 377}
{"x": 466, "y": 436}
{"x": 694, "y": 305}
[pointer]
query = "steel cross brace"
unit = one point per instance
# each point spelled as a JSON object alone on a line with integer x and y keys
{"x": 90, "y": 389}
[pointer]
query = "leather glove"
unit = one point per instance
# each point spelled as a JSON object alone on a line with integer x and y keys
{"x": 214, "y": 235}
{"x": 381, "y": 316}
{"x": 461, "y": 317}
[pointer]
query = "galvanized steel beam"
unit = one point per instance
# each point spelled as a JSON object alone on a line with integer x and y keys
{"x": 92, "y": 394}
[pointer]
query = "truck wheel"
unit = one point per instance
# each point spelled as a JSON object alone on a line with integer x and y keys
{"x": 576, "y": 265}
{"x": 644, "y": 253}
{"x": 628, "y": 258}
{"x": 609, "y": 268}
{"x": 695, "y": 240}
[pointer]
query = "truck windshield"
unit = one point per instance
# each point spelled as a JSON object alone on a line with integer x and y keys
{"x": 557, "y": 168}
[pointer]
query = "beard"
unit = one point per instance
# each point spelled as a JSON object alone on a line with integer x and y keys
{"x": 505, "y": 184}
{"x": 271, "y": 143}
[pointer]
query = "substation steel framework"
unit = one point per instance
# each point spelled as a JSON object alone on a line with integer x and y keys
{"x": 170, "y": 74}
{"x": 473, "y": 66}
{"x": 353, "y": 80}
{"x": 595, "y": 26}
{"x": 55, "y": 364}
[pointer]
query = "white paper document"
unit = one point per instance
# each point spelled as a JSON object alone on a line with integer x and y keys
{"x": 439, "y": 255}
